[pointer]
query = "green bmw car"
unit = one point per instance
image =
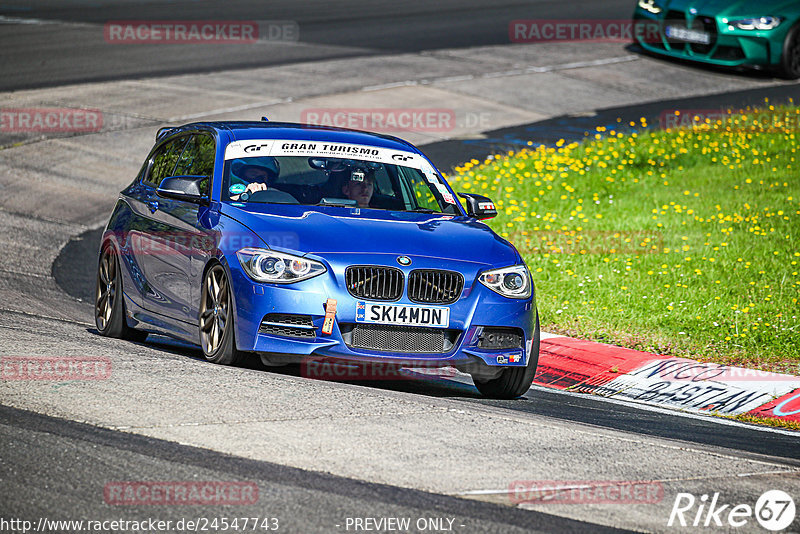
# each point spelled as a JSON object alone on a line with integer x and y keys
{"x": 763, "y": 34}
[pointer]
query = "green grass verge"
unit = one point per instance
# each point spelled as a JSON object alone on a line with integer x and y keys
{"x": 766, "y": 421}
{"x": 680, "y": 242}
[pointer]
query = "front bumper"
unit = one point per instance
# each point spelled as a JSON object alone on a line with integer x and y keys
{"x": 728, "y": 47}
{"x": 477, "y": 309}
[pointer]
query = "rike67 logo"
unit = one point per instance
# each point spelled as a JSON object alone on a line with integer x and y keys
{"x": 774, "y": 510}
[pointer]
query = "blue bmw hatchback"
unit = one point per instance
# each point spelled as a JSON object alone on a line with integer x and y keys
{"x": 303, "y": 243}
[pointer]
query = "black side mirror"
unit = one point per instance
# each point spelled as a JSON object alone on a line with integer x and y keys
{"x": 479, "y": 206}
{"x": 187, "y": 188}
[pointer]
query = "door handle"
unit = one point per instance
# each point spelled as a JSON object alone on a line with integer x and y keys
{"x": 153, "y": 205}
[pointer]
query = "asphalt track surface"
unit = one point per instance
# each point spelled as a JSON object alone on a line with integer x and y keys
{"x": 315, "y": 502}
{"x": 72, "y": 460}
{"x": 35, "y": 55}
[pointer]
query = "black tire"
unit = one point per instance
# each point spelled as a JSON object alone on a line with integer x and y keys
{"x": 790, "y": 59}
{"x": 513, "y": 382}
{"x": 109, "y": 306}
{"x": 216, "y": 318}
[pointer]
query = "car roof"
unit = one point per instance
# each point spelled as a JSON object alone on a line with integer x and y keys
{"x": 245, "y": 130}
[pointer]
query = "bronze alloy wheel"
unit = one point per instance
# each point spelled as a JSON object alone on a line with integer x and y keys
{"x": 106, "y": 294}
{"x": 216, "y": 318}
{"x": 109, "y": 306}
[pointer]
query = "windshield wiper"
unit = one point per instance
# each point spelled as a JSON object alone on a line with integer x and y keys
{"x": 423, "y": 210}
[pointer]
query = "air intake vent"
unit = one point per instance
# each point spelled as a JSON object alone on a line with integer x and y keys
{"x": 500, "y": 338}
{"x": 676, "y": 19}
{"x": 435, "y": 287}
{"x": 399, "y": 339}
{"x": 709, "y": 26}
{"x": 288, "y": 325}
{"x": 374, "y": 282}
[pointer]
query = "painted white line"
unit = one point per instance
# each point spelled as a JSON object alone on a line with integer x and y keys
{"x": 60, "y": 222}
{"x": 232, "y": 109}
{"x": 390, "y": 85}
{"x": 41, "y": 22}
{"x": 611, "y": 482}
{"x": 506, "y": 73}
{"x": 667, "y": 411}
{"x": 30, "y": 274}
{"x": 19, "y": 20}
{"x": 159, "y": 83}
{"x": 46, "y": 317}
{"x": 450, "y": 79}
{"x": 548, "y": 335}
{"x": 583, "y": 64}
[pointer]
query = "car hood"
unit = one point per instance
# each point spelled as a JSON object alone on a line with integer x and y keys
{"x": 326, "y": 229}
{"x": 740, "y": 8}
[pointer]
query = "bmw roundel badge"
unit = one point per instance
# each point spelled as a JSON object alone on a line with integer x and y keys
{"x": 404, "y": 260}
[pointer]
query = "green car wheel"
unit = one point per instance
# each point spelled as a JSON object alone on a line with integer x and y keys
{"x": 790, "y": 61}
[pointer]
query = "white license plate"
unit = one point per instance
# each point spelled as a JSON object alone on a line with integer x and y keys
{"x": 400, "y": 314}
{"x": 690, "y": 36}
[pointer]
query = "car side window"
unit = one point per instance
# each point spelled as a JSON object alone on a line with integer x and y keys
{"x": 422, "y": 193}
{"x": 198, "y": 160}
{"x": 164, "y": 160}
{"x": 383, "y": 184}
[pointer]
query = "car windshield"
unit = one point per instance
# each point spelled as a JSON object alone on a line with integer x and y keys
{"x": 331, "y": 181}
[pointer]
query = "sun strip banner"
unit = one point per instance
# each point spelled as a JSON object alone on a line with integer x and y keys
{"x": 323, "y": 149}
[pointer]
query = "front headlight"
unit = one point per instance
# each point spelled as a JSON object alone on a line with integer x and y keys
{"x": 650, "y": 6}
{"x": 513, "y": 282}
{"x": 264, "y": 265}
{"x": 759, "y": 23}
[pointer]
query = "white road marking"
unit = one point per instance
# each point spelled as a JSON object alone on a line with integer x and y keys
{"x": 41, "y": 22}
{"x": 506, "y": 73}
{"x": 390, "y": 85}
{"x": 233, "y": 109}
{"x": 462, "y": 78}
{"x": 18, "y": 20}
{"x": 584, "y": 64}
{"x": 47, "y": 317}
{"x": 611, "y": 482}
{"x": 548, "y": 335}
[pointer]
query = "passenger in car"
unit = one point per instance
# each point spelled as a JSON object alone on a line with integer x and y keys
{"x": 360, "y": 186}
